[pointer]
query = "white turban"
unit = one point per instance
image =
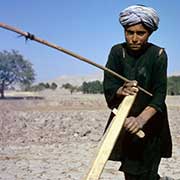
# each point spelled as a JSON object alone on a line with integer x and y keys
{"x": 139, "y": 14}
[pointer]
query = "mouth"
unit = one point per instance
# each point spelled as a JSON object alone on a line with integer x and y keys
{"x": 135, "y": 46}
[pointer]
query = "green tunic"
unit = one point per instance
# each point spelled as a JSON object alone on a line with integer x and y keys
{"x": 149, "y": 68}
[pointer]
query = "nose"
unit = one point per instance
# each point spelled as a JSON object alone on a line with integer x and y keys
{"x": 134, "y": 38}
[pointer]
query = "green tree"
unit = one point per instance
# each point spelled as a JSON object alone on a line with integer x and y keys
{"x": 70, "y": 87}
{"x": 47, "y": 85}
{"x": 14, "y": 69}
{"x": 53, "y": 86}
{"x": 93, "y": 87}
{"x": 38, "y": 87}
{"x": 67, "y": 86}
{"x": 174, "y": 85}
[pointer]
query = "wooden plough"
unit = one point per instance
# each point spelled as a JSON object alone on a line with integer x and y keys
{"x": 109, "y": 139}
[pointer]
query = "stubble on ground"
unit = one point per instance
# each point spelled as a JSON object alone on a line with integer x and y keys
{"x": 55, "y": 137}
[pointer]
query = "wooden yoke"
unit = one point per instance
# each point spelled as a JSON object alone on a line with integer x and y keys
{"x": 109, "y": 139}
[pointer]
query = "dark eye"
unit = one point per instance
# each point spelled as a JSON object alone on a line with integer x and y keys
{"x": 130, "y": 32}
{"x": 141, "y": 33}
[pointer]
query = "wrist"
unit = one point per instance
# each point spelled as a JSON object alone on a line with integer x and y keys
{"x": 119, "y": 92}
{"x": 141, "y": 120}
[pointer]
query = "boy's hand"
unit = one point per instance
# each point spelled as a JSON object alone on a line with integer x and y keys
{"x": 129, "y": 88}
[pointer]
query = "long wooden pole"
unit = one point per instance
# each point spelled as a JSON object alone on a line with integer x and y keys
{"x": 32, "y": 37}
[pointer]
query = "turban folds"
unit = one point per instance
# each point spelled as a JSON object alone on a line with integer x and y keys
{"x": 139, "y": 14}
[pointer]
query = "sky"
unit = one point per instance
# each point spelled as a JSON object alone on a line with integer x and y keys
{"x": 88, "y": 28}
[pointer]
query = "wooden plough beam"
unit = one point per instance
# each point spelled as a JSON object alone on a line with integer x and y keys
{"x": 109, "y": 139}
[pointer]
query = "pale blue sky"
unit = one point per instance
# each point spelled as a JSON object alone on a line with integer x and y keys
{"x": 88, "y": 28}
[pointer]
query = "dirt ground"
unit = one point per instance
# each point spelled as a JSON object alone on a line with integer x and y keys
{"x": 55, "y": 135}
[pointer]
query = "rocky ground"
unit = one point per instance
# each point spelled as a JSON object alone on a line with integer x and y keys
{"x": 55, "y": 136}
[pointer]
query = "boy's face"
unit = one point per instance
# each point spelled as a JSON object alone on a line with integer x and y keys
{"x": 136, "y": 36}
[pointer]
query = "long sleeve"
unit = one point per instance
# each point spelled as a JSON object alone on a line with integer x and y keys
{"x": 159, "y": 76}
{"x": 111, "y": 83}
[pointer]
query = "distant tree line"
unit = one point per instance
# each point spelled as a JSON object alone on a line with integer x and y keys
{"x": 96, "y": 87}
{"x": 42, "y": 86}
{"x": 92, "y": 87}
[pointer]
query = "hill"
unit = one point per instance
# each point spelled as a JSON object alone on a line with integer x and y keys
{"x": 77, "y": 80}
